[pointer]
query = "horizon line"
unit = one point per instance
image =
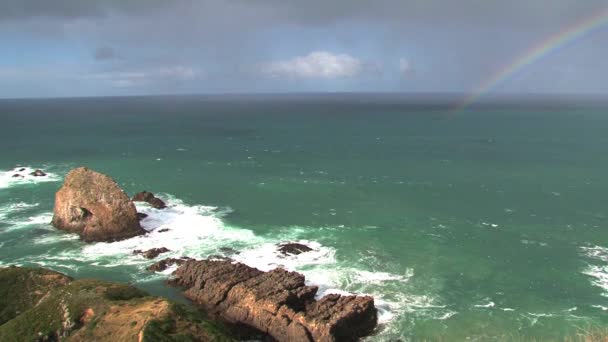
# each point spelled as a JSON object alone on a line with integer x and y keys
{"x": 310, "y": 93}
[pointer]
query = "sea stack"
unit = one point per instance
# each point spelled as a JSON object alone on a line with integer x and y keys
{"x": 278, "y": 302}
{"x": 92, "y": 205}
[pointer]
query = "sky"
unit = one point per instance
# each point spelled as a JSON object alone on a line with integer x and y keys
{"x": 69, "y": 48}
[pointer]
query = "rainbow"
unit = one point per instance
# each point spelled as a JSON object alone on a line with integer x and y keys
{"x": 553, "y": 43}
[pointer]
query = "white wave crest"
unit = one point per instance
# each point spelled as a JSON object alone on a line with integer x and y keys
{"x": 8, "y": 179}
{"x": 12, "y": 208}
{"x": 598, "y": 273}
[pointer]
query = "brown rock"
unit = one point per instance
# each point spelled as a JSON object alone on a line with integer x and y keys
{"x": 149, "y": 197}
{"x": 38, "y": 173}
{"x": 165, "y": 263}
{"x": 276, "y": 302}
{"x": 293, "y": 248}
{"x": 151, "y": 253}
{"x": 95, "y": 207}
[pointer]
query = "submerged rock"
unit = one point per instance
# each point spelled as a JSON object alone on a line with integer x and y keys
{"x": 276, "y": 302}
{"x": 293, "y": 248}
{"x": 38, "y": 173}
{"x": 149, "y": 197}
{"x": 141, "y": 216}
{"x": 17, "y": 176}
{"x": 229, "y": 250}
{"x": 151, "y": 253}
{"x": 164, "y": 230}
{"x": 95, "y": 207}
{"x": 166, "y": 263}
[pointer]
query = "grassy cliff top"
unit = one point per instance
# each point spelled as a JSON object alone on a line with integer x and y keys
{"x": 39, "y": 304}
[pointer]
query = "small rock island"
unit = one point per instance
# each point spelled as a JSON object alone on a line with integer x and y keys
{"x": 92, "y": 205}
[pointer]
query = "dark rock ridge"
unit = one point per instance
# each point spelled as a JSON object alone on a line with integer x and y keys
{"x": 164, "y": 230}
{"x": 276, "y": 302}
{"x": 38, "y": 173}
{"x": 293, "y": 248}
{"x": 16, "y": 175}
{"x": 95, "y": 207}
{"x": 141, "y": 216}
{"x": 149, "y": 197}
{"x": 166, "y": 263}
{"x": 151, "y": 253}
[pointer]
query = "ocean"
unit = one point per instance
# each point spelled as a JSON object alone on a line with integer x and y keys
{"x": 489, "y": 223}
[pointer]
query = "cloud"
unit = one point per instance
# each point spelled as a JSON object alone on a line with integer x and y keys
{"x": 135, "y": 78}
{"x": 318, "y": 64}
{"x": 159, "y": 45}
{"x": 405, "y": 67}
{"x": 105, "y": 53}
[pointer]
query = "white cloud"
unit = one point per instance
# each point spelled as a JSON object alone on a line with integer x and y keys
{"x": 136, "y": 78}
{"x": 405, "y": 67}
{"x": 318, "y": 64}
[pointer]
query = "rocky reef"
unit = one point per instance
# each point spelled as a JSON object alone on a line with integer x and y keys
{"x": 146, "y": 196}
{"x": 50, "y": 306}
{"x": 151, "y": 253}
{"x": 278, "y": 302}
{"x": 92, "y": 205}
{"x": 42, "y": 305}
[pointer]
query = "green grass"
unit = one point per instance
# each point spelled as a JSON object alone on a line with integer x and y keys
{"x": 34, "y": 308}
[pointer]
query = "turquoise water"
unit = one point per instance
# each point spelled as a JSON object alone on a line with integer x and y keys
{"x": 489, "y": 224}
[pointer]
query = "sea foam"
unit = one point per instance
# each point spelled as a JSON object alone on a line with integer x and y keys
{"x": 13, "y": 208}
{"x": 7, "y": 180}
{"x": 597, "y": 272}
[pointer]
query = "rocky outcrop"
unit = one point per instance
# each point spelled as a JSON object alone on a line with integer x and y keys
{"x": 293, "y": 248}
{"x": 141, "y": 216}
{"x": 166, "y": 263}
{"x": 149, "y": 197}
{"x": 151, "y": 253}
{"x": 276, "y": 302}
{"x": 38, "y": 173}
{"x": 42, "y": 305}
{"x": 95, "y": 207}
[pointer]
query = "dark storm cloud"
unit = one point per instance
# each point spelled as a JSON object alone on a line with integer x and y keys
{"x": 70, "y": 9}
{"x": 451, "y": 45}
{"x": 313, "y": 12}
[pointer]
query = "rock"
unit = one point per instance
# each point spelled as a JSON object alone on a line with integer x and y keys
{"x": 293, "y": 248}
{"x": 166, "y": 263}
{"x": 149, "y": 197}
{"x": 38, "y": 173}
{"x": 141, "y": 216}
{"x": 17, "y": 176}
{"x": 164, "y": 230}
{"x": 276, "y": 302}
{"x": 151, "y": 253}
{"x": 22, "y": 169}
{"x": 95, "y": 207}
